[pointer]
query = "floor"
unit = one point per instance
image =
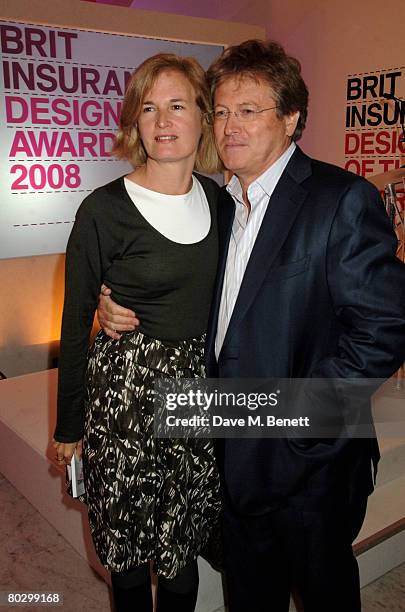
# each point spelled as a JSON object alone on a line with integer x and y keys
{"x": 34, "y": 557}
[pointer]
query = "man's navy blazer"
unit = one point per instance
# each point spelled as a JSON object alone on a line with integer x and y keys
{"x": 323, "y": 296}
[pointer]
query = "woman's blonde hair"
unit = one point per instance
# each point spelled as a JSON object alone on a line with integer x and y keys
{"x": 128, "y": 144}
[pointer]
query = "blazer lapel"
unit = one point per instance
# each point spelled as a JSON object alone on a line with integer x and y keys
{"x": 282, "y": 210}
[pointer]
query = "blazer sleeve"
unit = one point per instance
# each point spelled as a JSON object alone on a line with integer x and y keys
{"x": 367, "y": 287}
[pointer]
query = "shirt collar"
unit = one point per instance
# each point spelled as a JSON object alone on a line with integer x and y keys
{"x": 267, "y": 181}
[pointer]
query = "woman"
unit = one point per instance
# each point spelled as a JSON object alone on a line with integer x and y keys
{"x": 151, "y": 237}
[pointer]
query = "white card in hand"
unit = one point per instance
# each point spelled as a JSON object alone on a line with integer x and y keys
{"x": 75, "y": 473}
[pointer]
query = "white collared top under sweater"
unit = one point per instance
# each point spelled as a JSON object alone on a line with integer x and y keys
{"x": 181, "y": 218}
{"x": 244, "y": 233}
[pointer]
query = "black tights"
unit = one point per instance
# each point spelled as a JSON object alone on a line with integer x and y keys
{"x": 132, "y": 590}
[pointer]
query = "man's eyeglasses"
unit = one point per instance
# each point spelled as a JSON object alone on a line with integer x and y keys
{"x": 243, "y": 114}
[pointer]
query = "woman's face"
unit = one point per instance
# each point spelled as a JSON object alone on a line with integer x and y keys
{"x": 170, "y": 121}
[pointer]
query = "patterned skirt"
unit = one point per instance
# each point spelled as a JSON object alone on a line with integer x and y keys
{"x": 148, "y": 498}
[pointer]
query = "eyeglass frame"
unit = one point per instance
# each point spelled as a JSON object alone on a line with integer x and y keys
{"x": 228, "y": 113}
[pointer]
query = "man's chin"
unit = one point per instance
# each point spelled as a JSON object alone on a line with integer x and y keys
{"x": 232, "y": 164}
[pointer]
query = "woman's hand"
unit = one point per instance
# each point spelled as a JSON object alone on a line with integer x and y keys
{"x": 65, "y": 451}
{"x": 112, "y": 317}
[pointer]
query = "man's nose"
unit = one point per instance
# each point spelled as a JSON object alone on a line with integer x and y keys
{"x": 232, "y": 123}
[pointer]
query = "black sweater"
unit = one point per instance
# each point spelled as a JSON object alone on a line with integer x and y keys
{"x": 167, "y": 284}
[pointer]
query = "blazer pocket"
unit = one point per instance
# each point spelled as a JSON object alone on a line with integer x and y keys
{"x": 287, "y": 270}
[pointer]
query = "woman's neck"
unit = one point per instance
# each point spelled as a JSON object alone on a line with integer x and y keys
{"x": 172, "y": 179}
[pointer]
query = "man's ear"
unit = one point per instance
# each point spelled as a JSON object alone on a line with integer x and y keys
{"x": 291, "y": 121}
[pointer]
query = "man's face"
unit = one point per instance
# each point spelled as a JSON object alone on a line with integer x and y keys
{"x": 249, "y": 148}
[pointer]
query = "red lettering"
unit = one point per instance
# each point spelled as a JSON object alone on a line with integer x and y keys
{"x": 16, "y": 109}
{"x": 112, "y": 84}
{"x": 35, "y": 39}
{"x": 382, "y": 140}
{"x": 89, "y": 77}
{"x": 87, "y": 143}
{"x": 389, "y": 164}
{"x": 360, "y": 166}
{"x": 353, "y": 165}
{"x": 66, "y": 145}
{"x": 367, "y": 141}
{"x": 11, "y": 39}
{"x": 367, "y": 166}
{"x": 106, "y": 141}
{"x": 352, "y": 143}
{"x": 37, "y": 110}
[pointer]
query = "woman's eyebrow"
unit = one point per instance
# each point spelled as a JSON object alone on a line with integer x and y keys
{"x": 171, "y": 100}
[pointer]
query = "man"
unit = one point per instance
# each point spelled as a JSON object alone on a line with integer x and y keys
{"x": 308, "y": 286}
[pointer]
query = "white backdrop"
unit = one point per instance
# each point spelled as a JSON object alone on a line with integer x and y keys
{"x": 61, "y": 92}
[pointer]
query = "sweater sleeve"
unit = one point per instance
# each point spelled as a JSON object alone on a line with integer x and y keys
{"x": 83, "y": 277}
